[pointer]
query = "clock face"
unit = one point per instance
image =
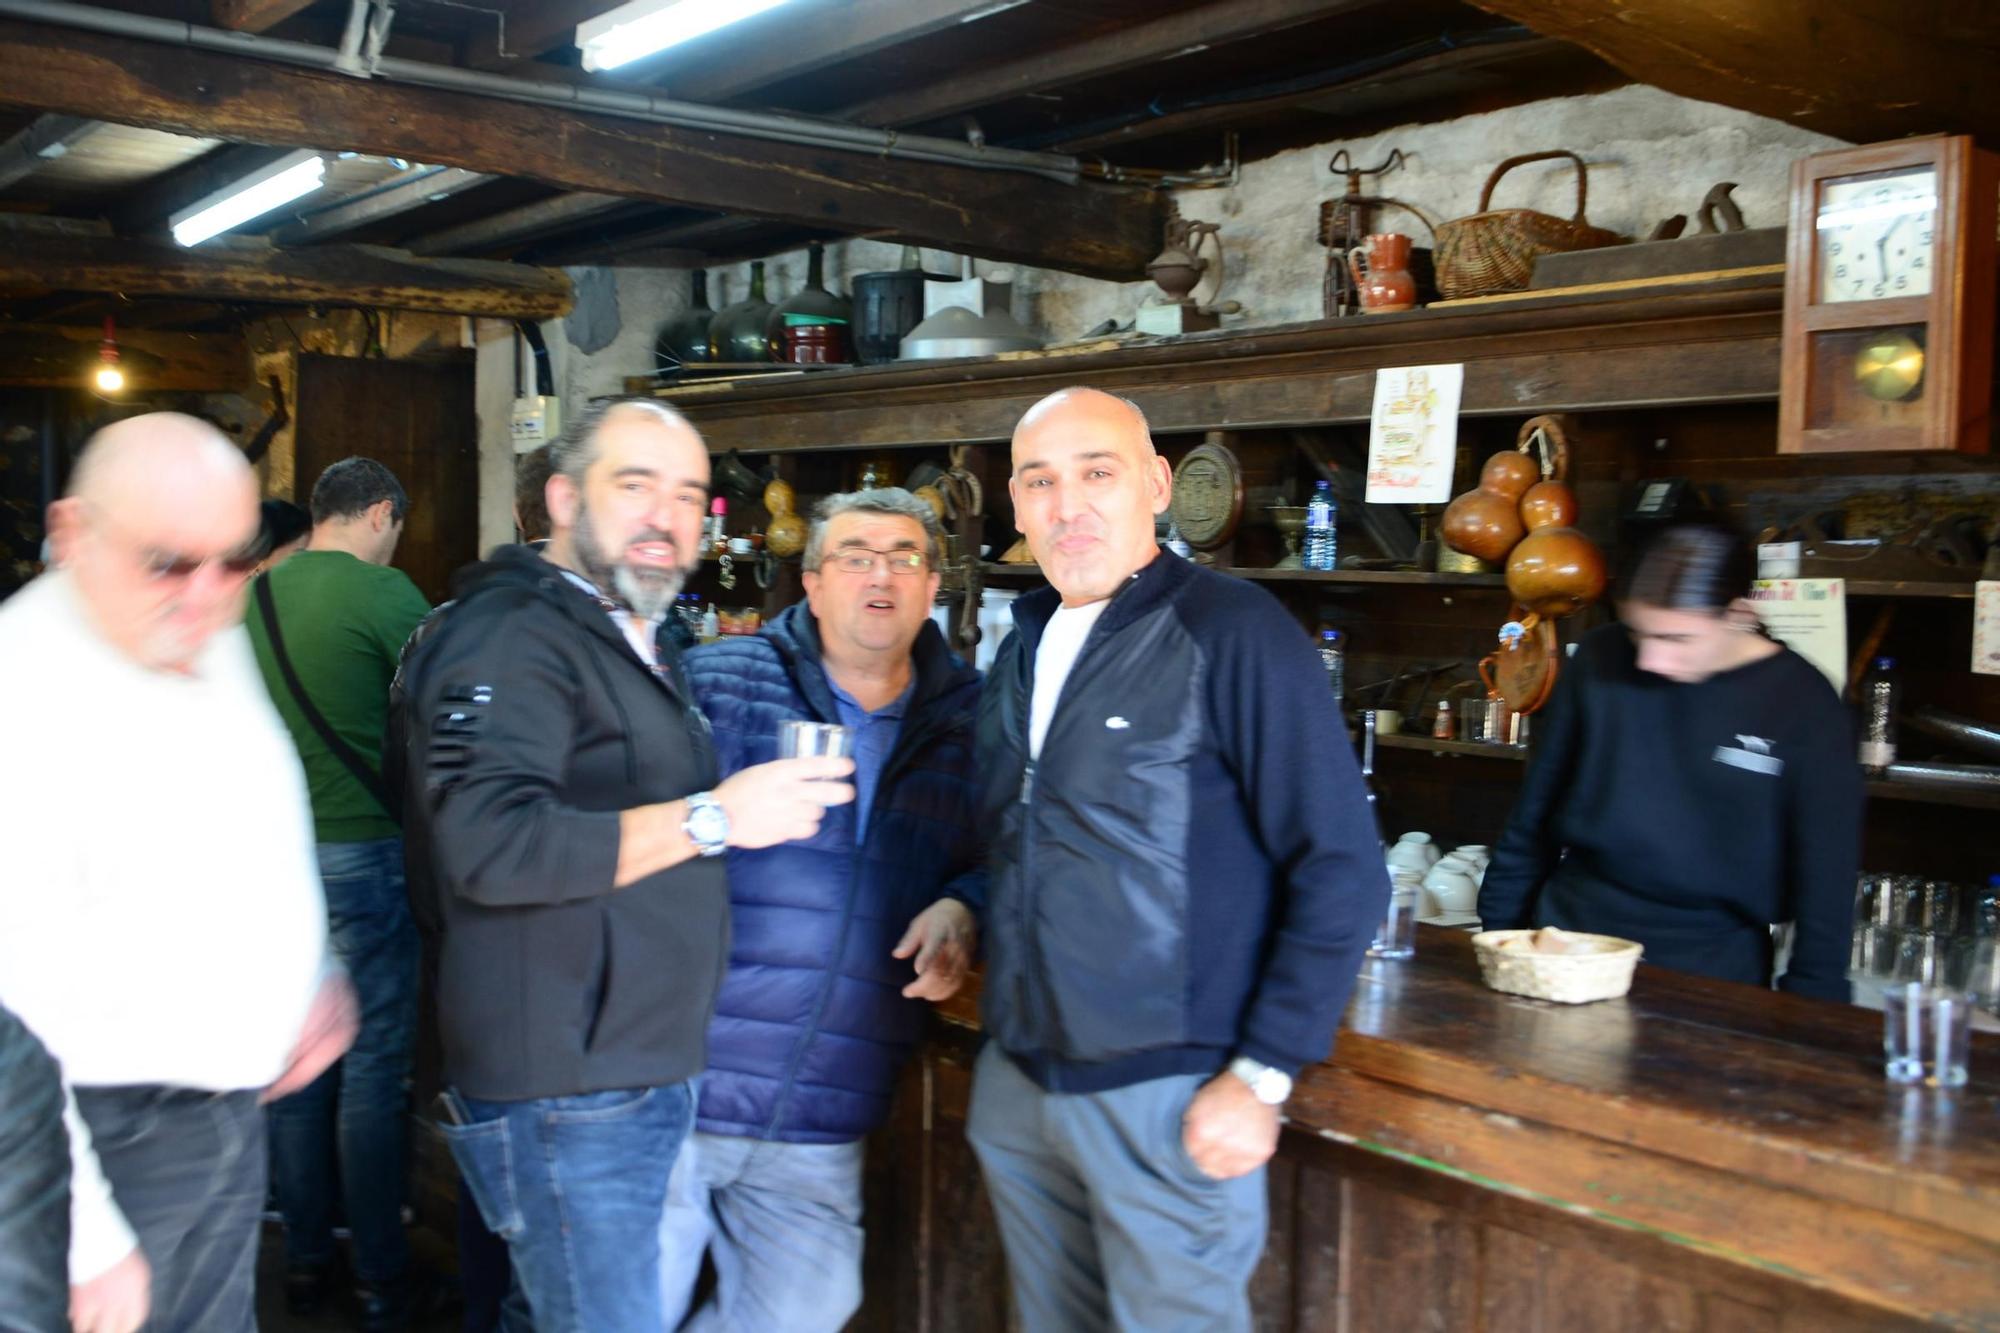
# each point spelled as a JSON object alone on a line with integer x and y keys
{"x": 1876, "y": 236}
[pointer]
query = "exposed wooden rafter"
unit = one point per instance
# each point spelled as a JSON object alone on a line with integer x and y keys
{"x": 1859, "y": 72}
{"x": 1129, "y": 48}
{"x": 36, "y": 257}
{"x": 1095, "y": 230}
{"x": 254, "y": 15}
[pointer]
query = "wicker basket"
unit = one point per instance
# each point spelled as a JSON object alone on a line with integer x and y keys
{"x": 1569, "y": 978}
{"x": 1495, "y": 251}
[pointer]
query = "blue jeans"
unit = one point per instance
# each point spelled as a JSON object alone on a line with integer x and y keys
{"x": 345, "y": 1136}
{"x": 782, "y": 1222}
{"x": 576, "y": 1187}
{"x": 34, "y": 1187}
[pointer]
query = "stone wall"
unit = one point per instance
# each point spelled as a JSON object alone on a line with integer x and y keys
{"x": 1651, "y": 154}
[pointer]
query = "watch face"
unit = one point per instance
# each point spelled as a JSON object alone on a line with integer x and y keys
{"x": 1876, "y": 235}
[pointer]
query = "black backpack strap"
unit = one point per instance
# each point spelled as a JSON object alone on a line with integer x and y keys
{"x": 370, "y": 781}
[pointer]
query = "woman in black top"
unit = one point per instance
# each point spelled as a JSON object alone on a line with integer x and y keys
{"x": 1694, "y": 781}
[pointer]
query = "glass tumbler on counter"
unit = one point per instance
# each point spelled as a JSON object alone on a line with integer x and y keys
{"x": 1926, "y": 1035}
{"x": 1396, "y": 937}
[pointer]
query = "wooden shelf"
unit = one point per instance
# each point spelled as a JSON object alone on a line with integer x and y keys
{"x": 1554, "y": 354}
{"x": 1416, "y": 577}
{"x": 1477, "y": 749}
{"x": 1411, "y": 577}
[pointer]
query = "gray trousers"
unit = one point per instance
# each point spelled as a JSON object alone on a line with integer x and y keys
{"x": 1108, "y": 1224}
{"x": 34, "y": 1187}
{"x": 187, "y": 1169}
{"x": 782, "y": 1222}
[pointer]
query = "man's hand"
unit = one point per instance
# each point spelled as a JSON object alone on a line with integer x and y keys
{"x": 943, "y": 937}
{"x": 782, "y": 801}
{"x": 116, "y": 1300}
{"x": 329, "y": 1030}
{"x": 1226, "y": 1130}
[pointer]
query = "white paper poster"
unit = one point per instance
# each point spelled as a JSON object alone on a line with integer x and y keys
{"x": 1986, "y": 628}
{"x": 1413, "y": 434}
{"x": 1809, "y": 616}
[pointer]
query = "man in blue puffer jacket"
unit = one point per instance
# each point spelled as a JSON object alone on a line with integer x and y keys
{"x": 839, "y": 940}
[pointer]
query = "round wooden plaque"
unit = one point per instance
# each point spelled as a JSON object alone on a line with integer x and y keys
{"x": 1208, "y": 496}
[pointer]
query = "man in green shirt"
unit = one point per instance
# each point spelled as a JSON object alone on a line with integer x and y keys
{"x": 342, "y": 616}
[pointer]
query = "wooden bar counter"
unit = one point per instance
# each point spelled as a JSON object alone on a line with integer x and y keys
{"x": 1696, "y": 1156}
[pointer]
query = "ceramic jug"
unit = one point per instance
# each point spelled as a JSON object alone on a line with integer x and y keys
{"x": 1384, "y": 283}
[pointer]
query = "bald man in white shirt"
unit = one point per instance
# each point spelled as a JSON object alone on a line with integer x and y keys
{"x": 161, "y": 924}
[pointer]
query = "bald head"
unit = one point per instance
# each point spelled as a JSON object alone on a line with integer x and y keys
{"x": 1083, "y": 408}
{"x": 160, "y": 510}
{"x": 1087, "y": 485}
{"x": 124, "y": 466}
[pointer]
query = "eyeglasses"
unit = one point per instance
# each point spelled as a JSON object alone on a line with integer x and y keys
{"x": 861, "y": 560}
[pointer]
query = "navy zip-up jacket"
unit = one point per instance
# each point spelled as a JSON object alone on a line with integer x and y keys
{"x": 811, "y": 1026}
{"x": 1190, "y": 871}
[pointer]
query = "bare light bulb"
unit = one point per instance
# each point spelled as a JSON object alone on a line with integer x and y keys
{"x": 110, "y": 379}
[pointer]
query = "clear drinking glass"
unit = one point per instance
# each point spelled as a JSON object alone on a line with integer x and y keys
{"x": 1926, "y": 1035}
{"x": 806, "y": 740}
{"x": 1396, "y": 937}
{"x": 1982, "y": 975}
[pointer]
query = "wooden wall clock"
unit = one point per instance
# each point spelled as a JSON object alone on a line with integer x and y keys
{"x": 1889, "y": 298}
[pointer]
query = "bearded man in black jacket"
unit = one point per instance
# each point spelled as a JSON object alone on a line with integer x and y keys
{"x": 566, "y": 785}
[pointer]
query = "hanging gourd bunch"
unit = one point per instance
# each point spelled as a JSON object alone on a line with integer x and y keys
{"x": 785, "y": 534}
{"x": 1523, "y": 515}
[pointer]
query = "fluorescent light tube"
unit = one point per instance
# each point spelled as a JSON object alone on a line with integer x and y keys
{"x": 642, "y": 27}
{"x": 290, "y": 177}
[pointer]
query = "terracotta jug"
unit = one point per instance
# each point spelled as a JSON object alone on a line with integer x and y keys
{"x": 1385, "y": 284}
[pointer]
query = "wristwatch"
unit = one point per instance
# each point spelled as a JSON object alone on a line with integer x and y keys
{"x": 1269, "y": 1086}
{"x": 707, "y": 824}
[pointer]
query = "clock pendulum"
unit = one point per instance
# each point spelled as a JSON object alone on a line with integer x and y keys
{"x": 1889, "y": 366}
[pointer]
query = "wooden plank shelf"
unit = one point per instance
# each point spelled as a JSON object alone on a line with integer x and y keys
{"x": 1562, "y": 353}
{"x": 1408, "y": 577}
{"x": 1477, "y": 749}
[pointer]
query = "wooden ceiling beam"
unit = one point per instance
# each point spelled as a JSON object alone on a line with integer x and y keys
{"x": 47, "y": 356}
{"x": 1096, "y": 230}
{"x": 36, "y": 258}
{"x": 1858, "y": 72}
{"x": 1456, "y": 60}
{"x": 1143, "y": 44}
{"x": 254, "y": 15}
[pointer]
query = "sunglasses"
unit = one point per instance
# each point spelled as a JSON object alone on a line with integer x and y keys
{"x": 172, "y": 567}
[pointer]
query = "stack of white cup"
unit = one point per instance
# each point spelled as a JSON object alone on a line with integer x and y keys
{"x": 1448, "y": 882}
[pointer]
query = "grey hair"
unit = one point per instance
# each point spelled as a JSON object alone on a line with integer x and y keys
{"x": 572, "y": 455}
{"x": 893, "y": 501}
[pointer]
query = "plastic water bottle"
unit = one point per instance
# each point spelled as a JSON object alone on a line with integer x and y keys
{"x": 1333, "y": 656}
{"x": 1319, "y": 552}
{"x": 1881, "y": 695}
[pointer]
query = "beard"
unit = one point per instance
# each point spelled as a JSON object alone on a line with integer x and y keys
{"x": 645, "y": 592}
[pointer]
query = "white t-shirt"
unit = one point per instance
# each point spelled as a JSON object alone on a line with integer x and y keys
{"x": 1061, "y": 641}
{"x": 160, "y": 910}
